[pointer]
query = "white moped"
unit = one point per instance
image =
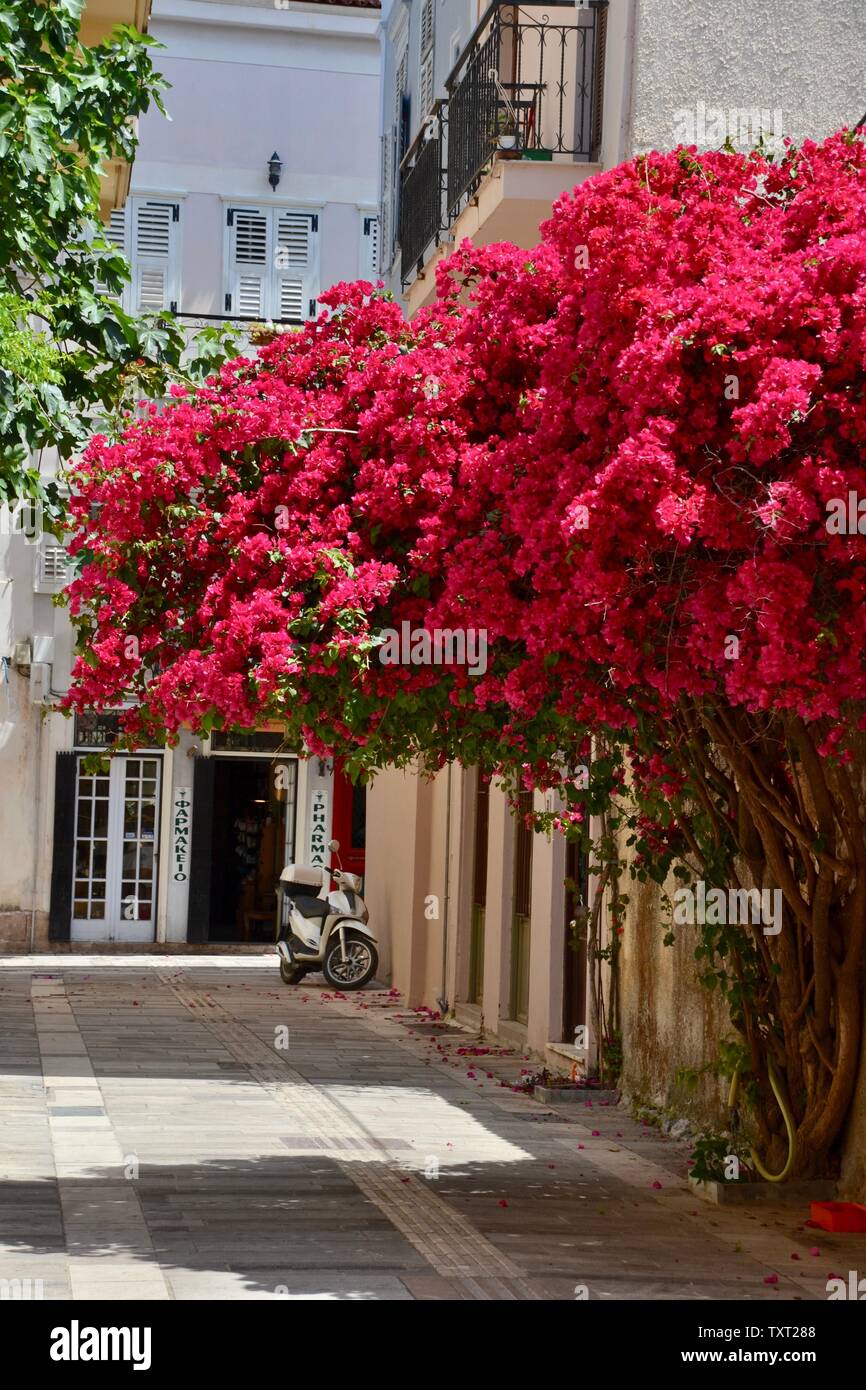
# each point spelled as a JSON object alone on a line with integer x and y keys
{"x": 324, "y": 928}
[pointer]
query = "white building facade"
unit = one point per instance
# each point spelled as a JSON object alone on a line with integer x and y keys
{"x": 258, "y": 194}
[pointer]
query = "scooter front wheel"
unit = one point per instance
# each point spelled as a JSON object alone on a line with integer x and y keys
{"x": 291, "y": 974}
{"x": 357, "y": 968}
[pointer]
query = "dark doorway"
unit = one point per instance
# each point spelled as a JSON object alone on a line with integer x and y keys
{"x": 521, "y": 916}
{"x": 247, "y": 850}
{"x": 479, "y": 892}
{"x": 574, "y": 1010}
{"x": 349, "y": 824}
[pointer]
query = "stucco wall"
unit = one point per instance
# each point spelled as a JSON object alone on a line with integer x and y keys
{"x": 22, "y": 614}
{"x": 390, "y": 871}
{"x": 669, "y": 1021}
{"x": 803, "y": 58}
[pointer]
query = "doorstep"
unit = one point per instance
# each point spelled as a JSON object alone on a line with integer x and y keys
{"x": 562, "y": 1056}
{"x": 468, "y": 1016}
{"x": 575, "y": 1095}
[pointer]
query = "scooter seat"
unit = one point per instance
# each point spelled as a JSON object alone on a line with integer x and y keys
{"x": 311, "y": 907}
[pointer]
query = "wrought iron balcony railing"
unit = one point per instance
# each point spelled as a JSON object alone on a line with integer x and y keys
{"x": 421, "y": 186}
{"x": 525, "y": 87}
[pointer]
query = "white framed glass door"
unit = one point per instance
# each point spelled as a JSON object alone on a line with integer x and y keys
{"x": 116, "y": 846}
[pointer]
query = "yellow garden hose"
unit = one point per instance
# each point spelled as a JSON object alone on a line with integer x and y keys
{"x": 786, "y": 1115}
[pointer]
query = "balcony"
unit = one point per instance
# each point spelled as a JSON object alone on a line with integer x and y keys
{"x": 523, "y": 107}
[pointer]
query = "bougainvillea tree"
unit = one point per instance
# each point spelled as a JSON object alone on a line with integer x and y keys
{"x": 624, "y": 456}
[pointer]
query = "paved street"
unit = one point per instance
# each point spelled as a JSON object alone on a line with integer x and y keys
{"x": 191, "y": 1128}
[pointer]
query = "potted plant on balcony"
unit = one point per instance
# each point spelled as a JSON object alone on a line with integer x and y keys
{"x": 507, "y": 130}
{"x": 507, "y": 136}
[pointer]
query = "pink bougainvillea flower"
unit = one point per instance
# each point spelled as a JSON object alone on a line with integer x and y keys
{"x": 625, "y": 469}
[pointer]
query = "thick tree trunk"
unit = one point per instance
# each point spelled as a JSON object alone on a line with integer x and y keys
{"x": 797, "y": 823}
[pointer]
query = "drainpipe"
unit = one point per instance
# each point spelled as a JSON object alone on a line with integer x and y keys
{"x": 442, "y": 1001}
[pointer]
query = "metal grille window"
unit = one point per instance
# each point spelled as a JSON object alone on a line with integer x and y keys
{"x": 272, "y": 263}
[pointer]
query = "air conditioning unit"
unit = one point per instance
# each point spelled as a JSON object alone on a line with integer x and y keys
{"x": 22, "y": 656}
{"x": 40, "y": 682}
{"x": 43, "y": 650}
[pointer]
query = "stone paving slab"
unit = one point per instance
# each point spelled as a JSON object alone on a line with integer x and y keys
{"x": 158, "y": 1142}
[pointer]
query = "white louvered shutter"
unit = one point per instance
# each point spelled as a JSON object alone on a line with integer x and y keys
{"x": 115, "y": 232}
{"x": 425, "y": 89}
{"x": 428, "y": 20}
{"x": 154, "y": 255}
{"x": 369, "y": 258}
{"x": 425, "y": 84}
{"x": 53, "y": 569}
{"x": 296, "y": 264}
{"x": 389, "y": 153}
{"x": 249, "y": 263}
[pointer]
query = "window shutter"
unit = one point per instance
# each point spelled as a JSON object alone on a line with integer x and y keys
{"x": 425, "y": 84}
{"x": 60, "y": 911}
{"x": 400, "y": 81}
{"x": 385, "y": 191}
{"x": 115, "y": 232}
{"x": 389, "y": 175}
{"x": 428, "y": 19}
{"x": 369, "y": 258}
{"x": 297, "y": 264}
{"x": 53, "y": 569}
{"x": 249, "y": 263}
{"x": 154, "y": 256}
{"x": 405, "y": 127}
{"x": 425, "y": 92}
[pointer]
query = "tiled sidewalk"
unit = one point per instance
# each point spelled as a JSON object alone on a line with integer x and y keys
{"x": 191, "y": 1128}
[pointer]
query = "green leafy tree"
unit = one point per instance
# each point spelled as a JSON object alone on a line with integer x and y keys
{"x": 69, "y": 354}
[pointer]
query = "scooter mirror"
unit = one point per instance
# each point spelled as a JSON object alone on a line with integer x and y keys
{"x": 333, "y": 846}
